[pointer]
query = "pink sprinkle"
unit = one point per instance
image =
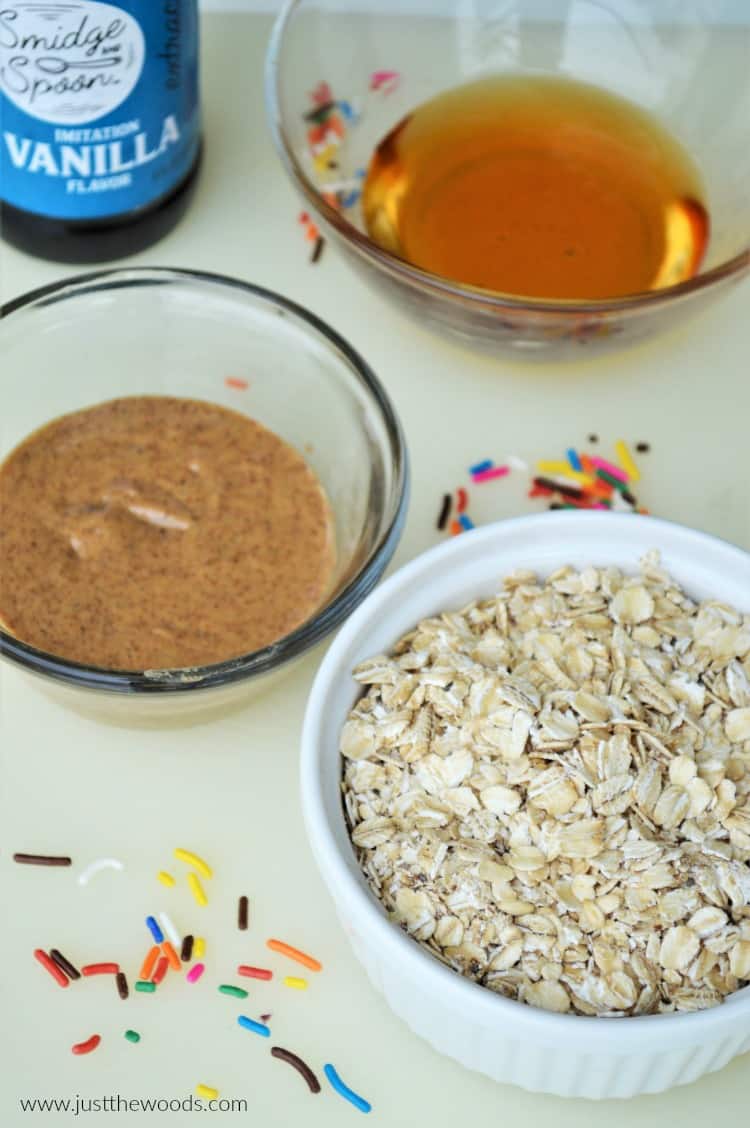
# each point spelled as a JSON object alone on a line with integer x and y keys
{"x": 615, "y": 471}
{"x": 490, "y": 475}
{"x": 385, "y": 80}
{"x": 598, "y": 504}
{"x": 236, "y": 382}
{"x": 195, "y": 973}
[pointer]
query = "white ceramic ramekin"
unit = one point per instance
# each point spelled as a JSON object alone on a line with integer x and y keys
{"x": 562, "y": 1054}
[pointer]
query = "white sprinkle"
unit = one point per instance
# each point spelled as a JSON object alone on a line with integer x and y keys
{"x": 563, "y": 480}
{"x": 101, "y": 864}
{"x": 341, "y": 185}
{"x": 169, "y": 930}
{"x": 619, "y": 504}
{"x": 515, "y": 462}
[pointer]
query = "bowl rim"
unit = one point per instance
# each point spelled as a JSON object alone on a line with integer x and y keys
{"x": 315, "y": 628}
{"x": 460, "y": 994}
{"x": 403, "y": 271}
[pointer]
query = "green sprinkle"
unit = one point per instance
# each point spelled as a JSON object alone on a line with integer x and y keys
{"x": 132, "y": 1035}
{"x": 605, "y": 477}
{"x": 238, "y": 992}
{"x": 144, "y": 985}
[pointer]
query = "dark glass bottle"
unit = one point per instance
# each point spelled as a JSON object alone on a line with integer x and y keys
{"x": 100, "y": 134}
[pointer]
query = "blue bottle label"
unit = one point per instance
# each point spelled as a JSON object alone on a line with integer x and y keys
{"x": 99, "y": 104}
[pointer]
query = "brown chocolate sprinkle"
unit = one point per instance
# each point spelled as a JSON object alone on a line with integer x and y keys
{"x": 65, "y": 965}
{"x": 643, "y": 448}
{"x": 317, "y": 249}
{"x": 122, "y": 985}
{"x": 593, "y": 438}
{"x": 558, "y": 487}
{"x": 42, "y": 860}
{"x": 242, "y": 914}
{"x": 445, "y": 510}
{"x": 297, "y": 1063}
{"x": 186, "y": 952}
{"x": 629, "y": 497}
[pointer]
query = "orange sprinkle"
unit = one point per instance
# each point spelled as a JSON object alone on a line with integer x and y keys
{"x": 236, "y": 382}
{"x": 601, "y": 489}
{"x": 294, "y": 954}
{"x": 312, "y": 233}
{"x": 455, "y": 528}
{"x": 588, "y": 465}
{"x": 148, "y": 964}
{"x": 171, "y": 954}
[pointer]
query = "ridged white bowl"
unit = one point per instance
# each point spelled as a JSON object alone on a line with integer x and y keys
{"x": 566, "y": 1055}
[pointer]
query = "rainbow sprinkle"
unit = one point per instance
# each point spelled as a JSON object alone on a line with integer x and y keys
{"x": 577, "y": 481}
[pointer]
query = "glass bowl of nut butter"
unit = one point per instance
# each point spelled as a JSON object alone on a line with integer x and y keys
{"x": 533, "y": 178}
{"x": 199, "y": 481}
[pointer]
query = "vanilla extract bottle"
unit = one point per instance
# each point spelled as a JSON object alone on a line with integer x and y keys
{"x": 100, "y": 128}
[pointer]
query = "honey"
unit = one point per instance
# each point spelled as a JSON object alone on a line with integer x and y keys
{"x": 538, "y": 187}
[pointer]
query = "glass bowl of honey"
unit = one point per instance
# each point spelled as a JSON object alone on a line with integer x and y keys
{"x": 528, "y": 176}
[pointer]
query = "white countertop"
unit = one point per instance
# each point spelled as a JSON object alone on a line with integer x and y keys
{"x": 229, "y": 789}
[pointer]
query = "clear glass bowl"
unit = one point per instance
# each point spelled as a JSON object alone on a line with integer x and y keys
{"x": 686, "y": 61}
{"x": 180, "y": 333}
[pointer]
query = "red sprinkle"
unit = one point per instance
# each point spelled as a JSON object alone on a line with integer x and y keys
{"x": 51, "y": 967}
{"x": 236, "y": 382}
{"x": 462, "y": 500}
{"x": 88, "y": 1046}
{"x": 161, "y": 970}
{"x": 254, "y": 972}
{"x": 304, "y": 217}
{"x": 100, "y": 969}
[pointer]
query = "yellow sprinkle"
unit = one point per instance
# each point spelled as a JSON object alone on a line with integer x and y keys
{"x": 197, "y": 889}
{"x": 199, "y": 948}
{"x": 626, "y": 461}
{"x": 165, "y": 878}
{"x": 553, "y": 467}
{"x": 297, "y": 984}
{"x": 564, "y": 470}
{"x": 192, "y": 859}
{"x": 207, "y": 1092}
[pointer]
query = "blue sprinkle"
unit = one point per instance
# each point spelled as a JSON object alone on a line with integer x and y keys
{"x": 255, "y": 1027}
{"x": 155, "y": 931}
{"x": 466, "y": 522}
{"x": 344, "y": 1091}
{"x": 348, "y": 200}
{"x": 347, "y": 110}
{"x": 360, "y": 173}
{"x": 574, "y": 460}
{"x": 481, "y": 467}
